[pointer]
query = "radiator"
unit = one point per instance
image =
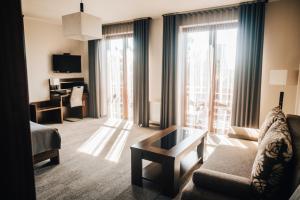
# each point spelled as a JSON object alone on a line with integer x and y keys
{"x": 155, "y": 112}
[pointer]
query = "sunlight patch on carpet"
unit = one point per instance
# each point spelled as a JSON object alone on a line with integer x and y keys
{"x": 113, "y": 122}
{"x": 128, "y": 125}
{"x": 116, "y": 150}
{"x": 96, "y": 143}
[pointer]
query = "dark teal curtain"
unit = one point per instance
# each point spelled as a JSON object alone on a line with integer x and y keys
{"x": 248, "y": 69}
{"x": 168, "y": 91}
{"x": 17, "y": 174}
{"x": 94, "y": 84}
{"x": 141, "y": 71}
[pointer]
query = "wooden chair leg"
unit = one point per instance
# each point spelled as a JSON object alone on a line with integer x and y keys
{"x": 81, "y": 112}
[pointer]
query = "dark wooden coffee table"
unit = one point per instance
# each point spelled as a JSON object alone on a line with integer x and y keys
{"x": 173, "y": 151}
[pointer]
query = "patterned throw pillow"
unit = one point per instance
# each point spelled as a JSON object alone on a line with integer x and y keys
{"x": 274, "y": 115}
{"x": 273, "y": 156}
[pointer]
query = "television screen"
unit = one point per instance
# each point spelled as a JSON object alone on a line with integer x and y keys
{"x": 66, "y": 63}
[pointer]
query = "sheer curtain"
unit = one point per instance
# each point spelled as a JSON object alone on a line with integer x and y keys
{"x": 206, "y": 60}
{"x": 117, "y": 70}
{"x": 226, "y": 39}
{"x": 117, "y": 29}
{"x": 194, "y": 76}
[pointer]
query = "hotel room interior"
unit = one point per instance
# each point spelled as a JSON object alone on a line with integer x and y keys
{"x": 150, "y": 100}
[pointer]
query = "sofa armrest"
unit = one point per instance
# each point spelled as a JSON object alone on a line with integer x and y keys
{"x": 221, "y": 182}
{"x": 191, "y": 192}
{"x": 243, "y": 133}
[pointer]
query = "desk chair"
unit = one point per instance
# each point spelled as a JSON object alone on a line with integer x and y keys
{"x": 76, "y": 103}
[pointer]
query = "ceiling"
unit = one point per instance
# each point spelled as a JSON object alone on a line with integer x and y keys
{"x": 115, "y": 10}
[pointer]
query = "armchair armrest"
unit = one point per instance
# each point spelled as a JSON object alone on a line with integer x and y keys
{"x": 243, "y": 133}
{"x": 221, "y": 182}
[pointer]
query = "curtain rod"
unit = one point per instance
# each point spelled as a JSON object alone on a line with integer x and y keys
{"x": 126, "y": 21}
{"x": 213, "y": 8}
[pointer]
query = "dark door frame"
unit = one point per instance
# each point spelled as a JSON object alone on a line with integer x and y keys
{"x": 17, "y": 175}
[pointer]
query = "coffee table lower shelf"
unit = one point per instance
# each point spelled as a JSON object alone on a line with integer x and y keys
{"x": 153, "y": 171}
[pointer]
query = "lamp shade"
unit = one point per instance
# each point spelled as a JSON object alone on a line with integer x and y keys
{"x": 278, "y": 77}
{"x": 82, "y": 26}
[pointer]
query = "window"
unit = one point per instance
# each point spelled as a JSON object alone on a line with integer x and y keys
{"x": 208, "y": 59}
{"x": 119, "y": 65}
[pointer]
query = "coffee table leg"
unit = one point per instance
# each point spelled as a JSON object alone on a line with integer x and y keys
{"x": 171, "y": 170}
{"x": 136, "y": 168}
{"x": 200, "y": 149}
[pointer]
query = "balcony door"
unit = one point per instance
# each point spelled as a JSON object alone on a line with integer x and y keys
{"x": 119, "y": 65}
{"x": 208, "y": 68}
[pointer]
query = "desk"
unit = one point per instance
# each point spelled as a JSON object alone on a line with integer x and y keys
{"x": 67, "y": 85}
{"x": 65, "y": 101}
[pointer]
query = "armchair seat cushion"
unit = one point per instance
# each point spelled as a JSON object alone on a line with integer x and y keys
{"x": 228, "y": 159}
{"x": 229, "y": 184}
{"x": 223, "y": 172}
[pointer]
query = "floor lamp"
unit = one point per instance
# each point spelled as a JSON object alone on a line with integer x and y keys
{"x": 279, "y": 78}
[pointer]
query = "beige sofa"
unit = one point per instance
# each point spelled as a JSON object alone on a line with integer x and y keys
{"x": 226, "y": 174}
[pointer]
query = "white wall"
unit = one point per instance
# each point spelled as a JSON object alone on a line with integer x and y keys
{"x": 42, "y": 39}
{"x": 281, "y": 51}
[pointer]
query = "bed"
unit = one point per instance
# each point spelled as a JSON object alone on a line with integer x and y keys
{"x": 46, "y": 143}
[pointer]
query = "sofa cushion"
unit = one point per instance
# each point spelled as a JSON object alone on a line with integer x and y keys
{"x": 273, "y": 156}
{"x": 243, "y": 133}
{"x": 229, "y": 184}
{"x": 228, "y": 159}
{"x": 274, "y": 115}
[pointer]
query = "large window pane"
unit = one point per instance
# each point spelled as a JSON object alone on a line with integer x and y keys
{"x": 197, "y": 81}
{"x": 225, "y": 63}
{"x": 209, "y": 62}
{"x": 119, "y": 61}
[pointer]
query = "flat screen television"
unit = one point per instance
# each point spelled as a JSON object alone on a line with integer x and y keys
{"x": 66, "y": 63}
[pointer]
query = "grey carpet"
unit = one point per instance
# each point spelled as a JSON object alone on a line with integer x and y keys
{"x": 84, "y": 176}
